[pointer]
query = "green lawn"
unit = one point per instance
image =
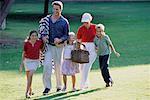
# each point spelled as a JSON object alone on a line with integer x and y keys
{"x": 127, "y": 23}
{"x": 130, "y": 83}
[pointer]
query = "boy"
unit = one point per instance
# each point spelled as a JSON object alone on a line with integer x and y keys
{"x": 103, "y": 47}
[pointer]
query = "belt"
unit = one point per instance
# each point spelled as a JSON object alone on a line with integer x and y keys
{"x": 52, "y": 44}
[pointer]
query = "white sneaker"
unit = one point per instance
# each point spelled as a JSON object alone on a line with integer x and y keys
{"x": 64, "y": 88}
{"x": 74, "y": 89}
{"x": 27, "y": 96}
{"x": 84, "y": 88}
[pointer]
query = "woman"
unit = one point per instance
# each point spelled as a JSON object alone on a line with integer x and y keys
{"x": 85, "y": 35}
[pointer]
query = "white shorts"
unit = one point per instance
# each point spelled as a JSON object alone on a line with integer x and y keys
{"x": 31, "y": 64}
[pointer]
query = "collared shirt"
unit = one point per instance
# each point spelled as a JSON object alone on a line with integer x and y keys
{"x": 33, "y": 51}
{"x": 58, "y": 29}
{"x": 86, "y": 35}
{"x": 103, "y": 45}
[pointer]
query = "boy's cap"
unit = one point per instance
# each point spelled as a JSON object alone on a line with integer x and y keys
{"x": 101, "y": 26}
{"x": 59, "y": 3}
{"x": 86, "y": 17}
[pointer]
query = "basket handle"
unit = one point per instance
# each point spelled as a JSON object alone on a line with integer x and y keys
{"x": 80, "y": 45}
{"x": 83, "y": 45}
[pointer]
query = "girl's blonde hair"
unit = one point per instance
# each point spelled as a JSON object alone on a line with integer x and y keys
{"x": 70, "y": 33}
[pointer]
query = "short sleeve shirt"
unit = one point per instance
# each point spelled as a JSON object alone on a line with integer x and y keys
{"x": 33, "y": 51}
{"x": 86, "y": 35}
{"x": 103, "y": 45}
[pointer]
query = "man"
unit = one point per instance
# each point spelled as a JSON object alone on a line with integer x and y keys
{"x": 57, "y": 28}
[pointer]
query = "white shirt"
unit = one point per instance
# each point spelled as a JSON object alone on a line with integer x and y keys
{"x": 67, "y": 51}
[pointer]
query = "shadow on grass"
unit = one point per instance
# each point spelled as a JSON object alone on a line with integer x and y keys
{"x": 65, "y": 95}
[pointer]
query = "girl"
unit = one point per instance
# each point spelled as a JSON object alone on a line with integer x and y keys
{"x": 103, "y": 47}
{"x": 30, "y": 58}
{"x": 69, "y": 68}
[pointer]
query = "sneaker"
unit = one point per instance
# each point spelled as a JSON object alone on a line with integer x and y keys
{"x": 27, "y": 96}
{"x": 64, "y": 88}
{"x": 111, "y": 83}
{"x": 84, "y": 88}
{"x": 107, "y": 85}
{"x": 58, "y": 90}
{"x": 46, "y": 91}
{"x": 74, "y": 89}
{"x": 32, "y": 93}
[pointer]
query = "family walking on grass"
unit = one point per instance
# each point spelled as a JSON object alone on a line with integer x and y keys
{"x": 56, "y": 42}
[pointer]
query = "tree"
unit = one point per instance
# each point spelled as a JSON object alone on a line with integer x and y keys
{"x": 46, "y": 3}
{"x": 4, "y": 10}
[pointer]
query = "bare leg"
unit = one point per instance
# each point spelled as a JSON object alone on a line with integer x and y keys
{"x": 30, "y": 90}
{"x": 73, "y": 81}
{"x": 65, "y": 80}
{"x": 27, "y": 74}
{"x": 29, "y": 81}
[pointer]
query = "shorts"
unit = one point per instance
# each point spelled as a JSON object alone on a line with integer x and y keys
{"x": 31, "y": 64}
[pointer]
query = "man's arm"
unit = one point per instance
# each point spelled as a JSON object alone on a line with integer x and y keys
{"x": 44, "y": 29}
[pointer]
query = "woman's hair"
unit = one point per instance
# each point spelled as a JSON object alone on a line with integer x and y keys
{"x": 30, "y": 33}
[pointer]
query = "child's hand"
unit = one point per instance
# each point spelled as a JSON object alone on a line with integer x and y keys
{"x": 57, "y": 40}
{"x": 117, "y": 54}
{"x": 21, "y": 67}
{"x": 45, "y": 39}
{"x": 96, "y": 48}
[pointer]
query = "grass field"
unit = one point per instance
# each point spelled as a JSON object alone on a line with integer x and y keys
{"x": 131, "y": 83}
{"x": 127, "y": 23}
